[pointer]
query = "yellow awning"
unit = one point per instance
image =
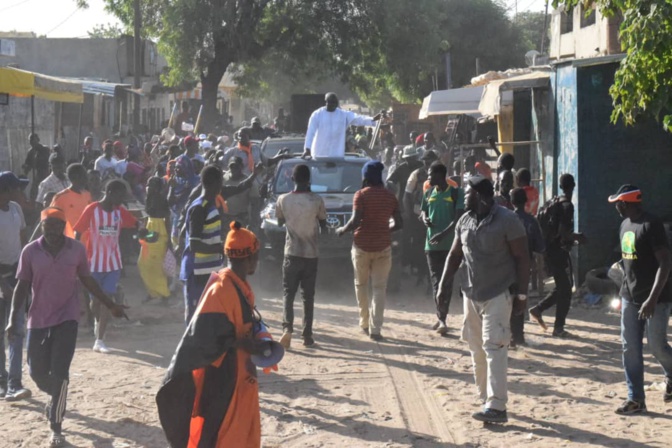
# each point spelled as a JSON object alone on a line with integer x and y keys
{"x": 24, "y": 83}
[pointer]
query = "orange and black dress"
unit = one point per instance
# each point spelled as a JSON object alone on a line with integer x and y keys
{"x": 210, "y": 395}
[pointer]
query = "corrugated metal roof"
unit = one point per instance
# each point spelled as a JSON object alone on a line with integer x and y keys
{"x": 102, "y": 88}
{"x": 453, "y": 101}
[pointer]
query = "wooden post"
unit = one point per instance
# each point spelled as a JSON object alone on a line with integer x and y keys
{"x": 32, "y": 114}
{"x": 79, "y": 124}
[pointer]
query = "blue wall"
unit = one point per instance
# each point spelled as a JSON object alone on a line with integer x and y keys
{"x": 612, "y": 155}
{"x": 564, "y": 85}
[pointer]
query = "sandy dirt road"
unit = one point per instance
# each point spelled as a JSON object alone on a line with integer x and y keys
{"x": 414, "y": 389}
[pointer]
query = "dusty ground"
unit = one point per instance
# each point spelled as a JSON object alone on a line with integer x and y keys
{"x": 415, "y": 389}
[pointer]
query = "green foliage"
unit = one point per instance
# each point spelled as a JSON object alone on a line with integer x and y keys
{"x": 381, "y": 49}
{"x": 643, "y": 82}
{"x": 394, "y": 52}
{"x": 531, "y": 27}
{"x": 106, "y": 31}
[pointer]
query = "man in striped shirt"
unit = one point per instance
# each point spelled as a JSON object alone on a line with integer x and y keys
{"x": 204, "y": 251}
{"x": 373, "y": 207}
{"x": 104, "y": 221}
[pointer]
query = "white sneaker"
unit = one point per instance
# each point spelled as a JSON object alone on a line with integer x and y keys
{"x": 442, "y": 328}
{"x": 100, "y": 347}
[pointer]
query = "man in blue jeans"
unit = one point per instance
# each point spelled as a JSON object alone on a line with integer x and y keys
{"x": 12, "y": 239}
{"x": 646, "y": 300}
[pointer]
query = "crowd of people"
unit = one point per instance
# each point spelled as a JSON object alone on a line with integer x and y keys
{"x": 190, "y": 207}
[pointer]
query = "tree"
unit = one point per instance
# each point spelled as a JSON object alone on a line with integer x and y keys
{"x": 532, "y": 26}
{"x": 401, "y": 52}
{"x": 105, "y": 31}
{"x": 382, "y": 49}
{"x": 643, "y": 81}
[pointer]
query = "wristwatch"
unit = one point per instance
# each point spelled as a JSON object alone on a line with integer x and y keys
{"x": 522, "y": 297}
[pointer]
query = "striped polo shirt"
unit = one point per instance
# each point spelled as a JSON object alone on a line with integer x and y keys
{"x": 204, "y": 223}
{"x": 377, "y": 205}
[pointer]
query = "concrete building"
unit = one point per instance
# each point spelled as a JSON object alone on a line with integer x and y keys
{"x": 106, "y": 69}
{"x": 600, "y": 154}
{"x": 577, "y": 33}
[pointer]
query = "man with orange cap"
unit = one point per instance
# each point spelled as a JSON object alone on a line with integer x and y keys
{"x": 50, "y": 268}
{"x": 210, "y": 395}
{"x": 645, "y": 295}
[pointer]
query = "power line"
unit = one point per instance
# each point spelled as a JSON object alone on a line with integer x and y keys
{"x": 65, "y": 20}
{"x": 12, "y": 6}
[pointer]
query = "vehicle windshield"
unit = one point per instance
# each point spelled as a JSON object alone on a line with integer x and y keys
{"x": 325, "y": 177}
{"x": 271, "y": 147}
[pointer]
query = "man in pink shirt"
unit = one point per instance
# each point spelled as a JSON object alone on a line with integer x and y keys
{"x": 50, "y": 268}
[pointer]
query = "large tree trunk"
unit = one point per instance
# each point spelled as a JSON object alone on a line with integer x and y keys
{"x": 210, "y": 86}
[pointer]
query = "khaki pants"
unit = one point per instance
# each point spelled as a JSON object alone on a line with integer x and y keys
{"x": 375, "y": 266}
{"x": 488, "y": 332}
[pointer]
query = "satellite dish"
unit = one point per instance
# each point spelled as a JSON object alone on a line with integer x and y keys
{"x": 531, "y": 57}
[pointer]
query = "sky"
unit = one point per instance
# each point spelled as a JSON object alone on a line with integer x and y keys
{"x": 61, "y": 18}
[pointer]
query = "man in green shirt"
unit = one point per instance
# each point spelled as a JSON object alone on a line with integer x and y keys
{"x": 442, "y": 206}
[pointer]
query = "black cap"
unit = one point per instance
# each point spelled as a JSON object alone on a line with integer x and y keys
{"x": 482, "y": 185}
{"x": 430, "y": 155}
{"x": 627, "y": 193}
{"x": 9, "y": 181}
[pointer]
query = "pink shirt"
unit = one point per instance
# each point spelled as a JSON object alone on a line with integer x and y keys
{"x": 54, "y": 281}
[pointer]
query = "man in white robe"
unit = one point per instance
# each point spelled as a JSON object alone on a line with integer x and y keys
{"x": 327, "y": 128}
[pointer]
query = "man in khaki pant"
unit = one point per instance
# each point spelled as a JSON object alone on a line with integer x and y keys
{"x": 373, "y": 207}
{"x": 493, "y": 243}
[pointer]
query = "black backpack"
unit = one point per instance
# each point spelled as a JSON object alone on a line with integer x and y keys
{"x": 550, "y": 216}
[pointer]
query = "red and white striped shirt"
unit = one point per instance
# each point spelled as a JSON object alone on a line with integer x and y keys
{"x": 104, "y": 229}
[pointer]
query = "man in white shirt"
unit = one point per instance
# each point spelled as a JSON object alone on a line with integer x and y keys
{"x": 107, "y": 161}
{"x": 55, "y": 182}
{"x": 327, "y": 128}
{"x": 12, "y": 239}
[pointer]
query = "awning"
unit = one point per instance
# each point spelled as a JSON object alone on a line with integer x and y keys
{"x": 452, "y": 102}
{"x": 499, "y": 93}
{"x": 102, "y": 88}
{"x": 24, "y": 83}
{"x": 197, "y": 94}
{"x": 193, "y": 94}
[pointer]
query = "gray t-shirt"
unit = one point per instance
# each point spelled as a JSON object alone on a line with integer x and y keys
{"x": 301, "y": 212}
{"x": 11, "y": 224}
{"x": 490, "y": 266}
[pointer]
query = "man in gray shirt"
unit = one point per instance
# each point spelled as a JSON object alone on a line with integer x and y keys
{"x": 300, "y": 211}
{"x": 493, "y": 244}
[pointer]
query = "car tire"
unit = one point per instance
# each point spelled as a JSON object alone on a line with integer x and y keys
{"x": 598, "y": 282}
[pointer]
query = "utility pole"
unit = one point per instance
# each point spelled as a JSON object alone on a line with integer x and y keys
{"x": 137, "y": 62}
{"x": 544, "y": 32}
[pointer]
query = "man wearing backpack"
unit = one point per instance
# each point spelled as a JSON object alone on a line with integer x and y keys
{"x": 556, "y": 219}
{"x": 442, "y": 206}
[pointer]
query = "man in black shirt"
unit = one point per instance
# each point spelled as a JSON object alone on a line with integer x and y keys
{"x": 646, "y": 300}
{"x": 37, "y": 162}
{"x": 557, "y": 259}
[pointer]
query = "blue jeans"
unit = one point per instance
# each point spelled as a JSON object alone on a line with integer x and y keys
{"x": 13, "y": 379}
{"x": 632, "y": 335}
{"x": 193, "y": 290}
